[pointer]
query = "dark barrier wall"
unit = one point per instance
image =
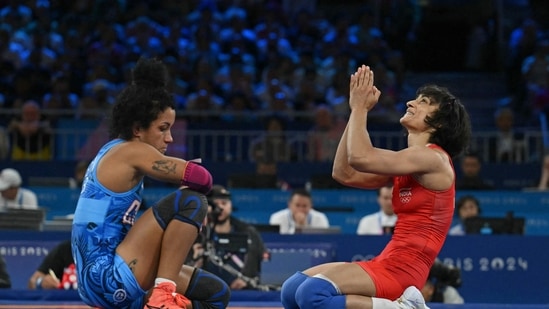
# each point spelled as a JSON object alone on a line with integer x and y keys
{"x": 495, "y": 269}
{"x": 502, "y": 176}
{"x": 343, "y": 207}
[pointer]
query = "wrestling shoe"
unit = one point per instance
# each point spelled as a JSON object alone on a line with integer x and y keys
{"x": 182, "y": 301}
{"x": 411, "y": 299}
{"x": 164, "y": 297}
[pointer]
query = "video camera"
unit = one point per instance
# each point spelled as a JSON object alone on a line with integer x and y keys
{"x": 217, "y": 192}
{"x": 445, "y": 275}
{"x": 214, "y": 213}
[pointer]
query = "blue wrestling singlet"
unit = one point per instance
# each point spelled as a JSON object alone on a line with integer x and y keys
{"x": 101, "y": 220}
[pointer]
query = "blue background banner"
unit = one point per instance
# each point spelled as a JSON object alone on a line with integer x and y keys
{"x": 343, "y": 207}
{"x": 495, "y": 269}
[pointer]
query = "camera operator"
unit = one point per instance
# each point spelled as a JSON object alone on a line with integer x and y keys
{"x": 238, "y": 270}
{"x": 442, "y": 283}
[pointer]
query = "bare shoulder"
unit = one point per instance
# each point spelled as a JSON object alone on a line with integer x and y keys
{"x": 131, "y": 153}
{"x": 426, "y": 158}
{"x": 441, "y": 175}
{"x": 442, "y": 156}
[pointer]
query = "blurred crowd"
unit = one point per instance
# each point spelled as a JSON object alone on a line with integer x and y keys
{"x": 239, "y": 63}
{"x": 243, "y": 56}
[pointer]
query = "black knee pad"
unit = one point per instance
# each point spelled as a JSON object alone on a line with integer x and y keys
{"x": 207, "y": 290}
{"x": 184, "y": 205}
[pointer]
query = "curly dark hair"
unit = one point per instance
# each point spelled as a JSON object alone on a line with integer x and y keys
{"x": 142, "y": 100}
{"x": 451, "y": 120}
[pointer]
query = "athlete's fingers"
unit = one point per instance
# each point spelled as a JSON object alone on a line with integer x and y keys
{"x": 352, "y": 81}
{"x": 365, "y": 75}
{"x": 359, "y": 77}
{"x": 377, "y": 93}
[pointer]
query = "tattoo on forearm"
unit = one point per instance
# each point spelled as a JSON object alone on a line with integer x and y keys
{"x": 132, "y": 264}
{"x": 165, "y": 166}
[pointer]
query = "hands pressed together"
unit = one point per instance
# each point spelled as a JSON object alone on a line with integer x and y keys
{"x": 363, "y": 95}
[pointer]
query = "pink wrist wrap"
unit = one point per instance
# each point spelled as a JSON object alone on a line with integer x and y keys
{"x": 197, "y": 178}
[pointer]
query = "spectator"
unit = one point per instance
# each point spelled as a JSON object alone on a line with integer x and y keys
{"x": 12, "y": 194}
{"x": 521, "y": 44}
{"x": 272, "y": 145}
{"x": 337, "y": 93}
{"x": 98, "y": 101}
{"x": 5, "y": 280}
{"x": 13, "y": 11}
{"x": 441, "y": 284}
{"x": 75, "y": 182}
{"x": 203, "y": 101}
{"x": 466, "y": 207}
{"x": 478, "y": 42}
{"x": 324, "y": 136}
{"x": 274, "y": 95}
{"x": 221, "y": 221}
{"x": 11, "y": 51}
{"x": 56, "y": 271}
{"x": 268, "y": 170}
{"x": 535, "y": 69}
{"x": 60, "y": 99}
{"x": 540, "y": 103}
{"x": 308, "y": 94}
{"x": 299, "y": 214}
{"x": 31, "y": 134}
{"x": 239, "y": 108}
{"x": 236, "y": 77}
{"x": 281, "y": 105}
{"x": 544, "y": 178}
{"x": 471, "y": 178}
{"x": 265, "y": 176}
{"x": 382, "y": 221}
{"x": 508, "y": 145}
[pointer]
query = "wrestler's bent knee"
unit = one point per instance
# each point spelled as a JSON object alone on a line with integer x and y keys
{"x": 184, "y": 205}
{"x": 317, "y": 293}
{"x": 289, "y": 287}
{"x": 208, "y": 289}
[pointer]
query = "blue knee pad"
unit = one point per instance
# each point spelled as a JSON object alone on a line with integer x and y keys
{"x": 287, "y": 292}
{"x": 184, "y": 205}
{"x": 207, "y": 290}
{"x": 317, "y": 293}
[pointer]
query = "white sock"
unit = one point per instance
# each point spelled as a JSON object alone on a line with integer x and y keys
{"x": 157, "y": 281}
{"x": 382, "y": 303}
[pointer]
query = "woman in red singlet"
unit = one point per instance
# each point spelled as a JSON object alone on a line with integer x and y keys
{"x": 438, "y": 129}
